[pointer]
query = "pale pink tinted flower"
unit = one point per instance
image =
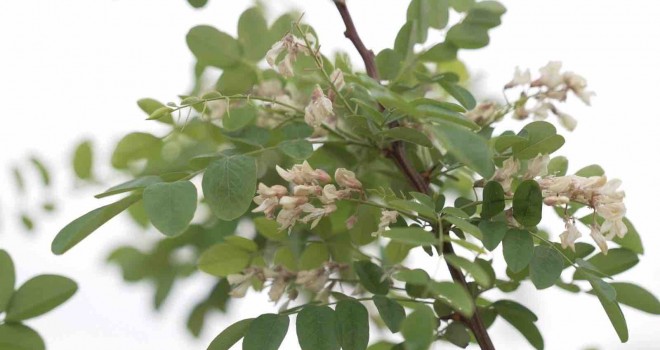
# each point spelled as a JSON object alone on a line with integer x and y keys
{"x": 599, "y": 239}
{"x": 519, "y": 78}
{"x": 319, "y": 108}
{"x": 346, "y": 178}
{"x": 569, "y": 236}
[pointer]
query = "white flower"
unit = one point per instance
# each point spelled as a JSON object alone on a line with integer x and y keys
{"x": 292, "y": 45}
{"x": 519, "y": 78}
{"x": 319, "y": 108}
{"x": 292, "y": 202}
{"x": 301, "y": 174}
{"x": 483, "y": 113}
{"x": 337, "y": 79}
{"x": 556, "y": 200}
{"x": 556, "y": 184}
{"x": 346, "y": 178}
{"x": 313, "y": 280}
{"x": 550, "y": 75}
{"x": 599, "y": 239}
{"x": 306, "y": 190}
{"x": 504, "y": 175}
{"x": 578, "y": 85}
{"x": 567, "y": 121}
{"x": 387, "y": 217}
{"x": 288, "y": 217}
{"x": 612, "y": 211}
{"x": 569, "y": 236}
{"x": 541, "y": 109}
{"x": 614, "y": 228}
{"x": 240, "y": 284}
{"x": 268, "y": 198}
{"x": 316, "y": 214}
{"x": 537, "y": 166}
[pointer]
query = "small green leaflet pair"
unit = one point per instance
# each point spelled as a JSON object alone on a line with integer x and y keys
{"x": 317, "y": 328}
{"x": 35, "y": 297}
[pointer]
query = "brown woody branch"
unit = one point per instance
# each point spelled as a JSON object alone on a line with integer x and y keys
{"x": 397, "y": 153}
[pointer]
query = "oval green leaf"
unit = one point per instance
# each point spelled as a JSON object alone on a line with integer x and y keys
{"x": 517, "y": 247}
{"x": 411, "y": 235}
{"x": 19, "y": 337}
{"x": 223, "y": 259}
{"x": 170, "y": 206}
{"x": 493, "y": 200}
{"x": 315, "y": 327}
{"x": 229, "y": 185}
{"x": 352, "y": 325}
{"x": 231, "y": 335}
{"x": 546, "y": 267}
{"x": 7, "y": 279}
{"x": 370, "y": 276}
{"x": 528, "y": 203}
{"x": 39, "y": 295}
{"x": 80, "y": 228}
{"x": 467, "y": 147}
{"x": 418, "y": 328}
{"x": 390, "y": 311}
{"x": 266, "y": 332}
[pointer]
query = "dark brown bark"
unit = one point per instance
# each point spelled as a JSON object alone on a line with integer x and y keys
{"x": 397, "y": 153}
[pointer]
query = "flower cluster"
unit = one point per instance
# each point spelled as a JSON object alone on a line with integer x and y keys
{"x": 282, "y": 280}
{"x": 319, "y": 108}
{"x": 484, "y": 113}
{"x": 552, "y": 86}
{"x": 309, "y": 186}
{"x": 596, "y": 192}
{"x": 293, "y": 46}
{"x": 510, "y": 167}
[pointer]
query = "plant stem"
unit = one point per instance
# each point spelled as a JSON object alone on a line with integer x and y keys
{"x": 398, "y": 155}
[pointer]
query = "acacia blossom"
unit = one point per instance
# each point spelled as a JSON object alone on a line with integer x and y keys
{"x": 293, "y": 46}
{"x": 552, "y": 86}
{"x": 310, "y": 188}
{"x": 387, "y": 217}
{"x": 319, "y": 108}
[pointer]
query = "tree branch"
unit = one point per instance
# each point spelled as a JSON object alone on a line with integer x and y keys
{"x": 397, "y": 153}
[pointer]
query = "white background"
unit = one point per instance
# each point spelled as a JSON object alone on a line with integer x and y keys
{"x": 72, "y": 68}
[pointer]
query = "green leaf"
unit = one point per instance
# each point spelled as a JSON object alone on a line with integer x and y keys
{"x": 506, "y": 140}
{"x": 238, "y": 79}
{"x": 370, "y": 276}
{"x": 314, "y": 256}
{"x": 558, "y": 166}
{"x": 19, "y": 337}
{"x": 605, "y": 293}
{"x": 546, "y": 267}
{"x": 390, "y": 311}
{"x": 297, "y": 149}
{"x": 462, "y": 95}
{"x": 468, "y": 35}
{"x": 591, "y": 170}
{"x": 442, "y": 52}
{"x": 315, "y": 326}
{"x": 518, "y": 247}
{"x": 223, "y": 259}
{"x": 616, "y": 261}
{"x": 542, "y": 139}
{"x": 7, "y": 279}
{"x": 478, "y": 273}
{"x": 270, "y": 229}
{"x": 493, "y": 200}
{"x": 465, "y": 226}
{"x": 412, "y": 206}
{"x": 388, "y": 63}
{"x": 521, "y": 319}
{"x": 528, "y": 203}
{"x": 418, "y": 328}
{"x": 135, "y": 146}
{"x": 367, "y": 223}
{"x": 42, "y": 170}
{"x": 131, "y": 185}
{"x": 415, "y": 236}
{"x": 438, "y": 13}
{"x": 229, "y": 186}
{"x": 457, "y": 334}
{"x": 212, "y": 47}
{"x": 636, "y": 297}
{"x": 467, "y": 147}
{"x": 455, "y": 296}
{"x": 82, "y": 160}
{"x": 253, "y": 34}
{"x": 231, "y": 335}
{"x": 197, "y": 3}
{"x": 409, "y": 135}
{"x": 493, "y": 232}
{"x": 352, "y": 323}
{"x": 418, "y": 14}
{"x": 170, "y": 206}
{"x": 80, "y": 228}
{"x": 39, "y": 295}
{"x": 405, "y": 40}
{"x": 238, "y": 118}
{"x": 266, "y": 332}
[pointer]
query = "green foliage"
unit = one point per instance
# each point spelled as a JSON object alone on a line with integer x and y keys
{"x": 340, "y": 206}
{"x": 7, "y": 279}
{"x": 229, "y": 185}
